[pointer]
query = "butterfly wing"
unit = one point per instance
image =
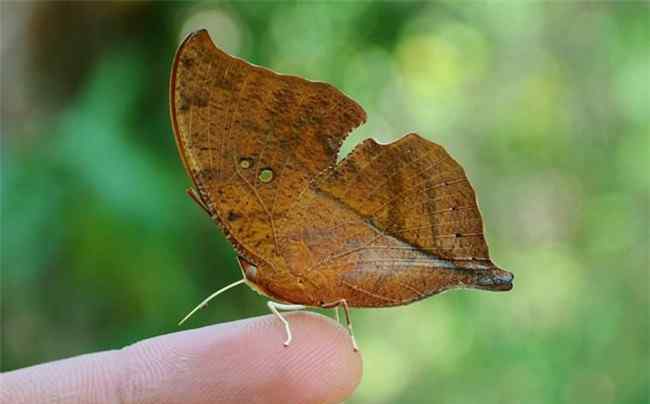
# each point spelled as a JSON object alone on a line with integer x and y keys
{"x": 415, "y": 191}
{"x": 402, "y": 223}
{"x": 388, "y": 225}
{"x": 250, "y": 138}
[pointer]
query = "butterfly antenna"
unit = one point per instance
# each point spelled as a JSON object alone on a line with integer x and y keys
{"x": 212, "y": 296}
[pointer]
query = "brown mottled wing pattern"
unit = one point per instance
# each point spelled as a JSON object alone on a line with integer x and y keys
{"x": 234, "y": 121}
{"x": 389, "y": 225}
{"x": 414, "y": 191}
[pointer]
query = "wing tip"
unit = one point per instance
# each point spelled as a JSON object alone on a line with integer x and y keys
{"x": 496, "y": 280}
{"x": 199, "y": 33}
{"x": 202, "y": 33}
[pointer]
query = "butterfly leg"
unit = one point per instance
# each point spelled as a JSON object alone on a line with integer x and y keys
{"x": 196, "y": 198}
{"x": 346, "y": 311}
{"x": 275, "y": 307}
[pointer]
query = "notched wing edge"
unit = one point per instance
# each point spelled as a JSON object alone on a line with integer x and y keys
{"x": 202, "y": 34}
{"x": 360, "y": 114}
{"x": 409, "y": 137}
{"x": 372, "y": 142}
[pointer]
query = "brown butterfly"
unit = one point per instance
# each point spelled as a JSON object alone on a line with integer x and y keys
{"x": 388, "y": 225}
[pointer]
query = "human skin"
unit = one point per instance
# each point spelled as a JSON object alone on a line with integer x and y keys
{"x": 238, "y": 362}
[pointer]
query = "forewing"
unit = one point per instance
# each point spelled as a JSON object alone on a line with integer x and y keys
{"x": 250, "y": 138}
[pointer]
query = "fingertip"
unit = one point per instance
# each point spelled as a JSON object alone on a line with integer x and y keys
{"x": 246, "y": 361}
{"x": 319, "y": 366}
{"x": 326, "y": 367}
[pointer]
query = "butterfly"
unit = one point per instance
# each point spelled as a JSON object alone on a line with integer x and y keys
{"x": 388, "y": 225}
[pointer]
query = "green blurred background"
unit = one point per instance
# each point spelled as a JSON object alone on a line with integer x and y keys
{"x": 545, "y": 104}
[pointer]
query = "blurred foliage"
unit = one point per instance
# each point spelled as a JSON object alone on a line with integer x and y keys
{"x": 545, "y": 104}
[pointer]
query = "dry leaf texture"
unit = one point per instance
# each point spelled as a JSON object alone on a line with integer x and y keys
{"x": 389, "y": 225}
